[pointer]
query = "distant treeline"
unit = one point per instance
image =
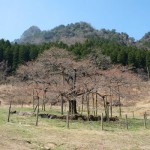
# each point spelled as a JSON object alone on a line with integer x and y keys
{"x": 119, "y": 53}
{"x": 16, "y": 54}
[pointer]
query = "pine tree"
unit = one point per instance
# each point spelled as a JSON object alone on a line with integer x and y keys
{"x": 33, "y": 52}
{"x": 113, "y": 56}
{"x": 23, "y": 54}
{"x": 8, "y": 56}
{"x": 1, "y": 54}
{"x": 15, "y": 57}
{"x": 131, "y": 58}
{"x": 148, "y": 60}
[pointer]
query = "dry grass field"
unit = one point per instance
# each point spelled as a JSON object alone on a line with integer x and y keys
{"x": 52, "y": 134}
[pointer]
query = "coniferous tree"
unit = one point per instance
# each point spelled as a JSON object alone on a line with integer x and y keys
{"x": 33, "y": 53}
{"x": 113, "y": 56}
{"x": 131, "y": 58}
{"x": 8, "y": 56}
{"x": 1, "y": 54}
{"x": 23, "y": 54}
{"x": 15, "y": 57}
{"x": 148, "y": 60}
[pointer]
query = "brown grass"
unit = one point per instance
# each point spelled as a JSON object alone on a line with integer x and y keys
{"x": 22, "y": 134}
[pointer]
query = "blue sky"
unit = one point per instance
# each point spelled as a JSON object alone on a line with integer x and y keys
{"x": 129, "y": 16}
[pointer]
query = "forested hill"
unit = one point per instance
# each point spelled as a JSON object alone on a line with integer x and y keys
{"x": 102, "y": 47}
{"x": 144, "y": 42}
{"x": 72, "y": 33}
{"x": 101, "y": 52}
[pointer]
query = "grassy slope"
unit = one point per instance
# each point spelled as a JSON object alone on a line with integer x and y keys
{"x": 21, "y": 133}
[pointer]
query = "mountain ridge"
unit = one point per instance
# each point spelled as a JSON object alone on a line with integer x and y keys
{"x": 72, "y": 33}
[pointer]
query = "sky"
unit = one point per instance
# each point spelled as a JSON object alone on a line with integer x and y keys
{"x": 129, "y": 16}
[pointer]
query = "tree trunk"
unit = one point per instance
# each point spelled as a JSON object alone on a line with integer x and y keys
{"x": 72, "y": 103}
{"x": 106, "y": 108}
{"x": 72, "y": 107}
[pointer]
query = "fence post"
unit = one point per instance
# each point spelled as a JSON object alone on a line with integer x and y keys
{"x": 62, "y": 105}
{"x": 21, "y": 104}
{"x": 67, "y": 119}
{"x": 126, "y": 121}
{"x": 145, "y": 119}
{"x": 133, "y": 114}
{"x": 102, "y": 122}
{"x": 37, "y": 113}
{"x": 9, "y": 111}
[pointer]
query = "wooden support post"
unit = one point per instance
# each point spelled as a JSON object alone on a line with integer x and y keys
{"x": 62, "y": 105}
{"x": 133, "y": 114}
{"x": 9, "y": 111}
{"x": 110, "y": 102}
{"x": 94, "y": 113}
{"x": 88, "y": 110}
{"x": 79, "y": 109}
{"x": 33, "y": 98}
{"x": 44, "y": 99}
{"x": 67, "y": 119}
{"x": 50, "y": 106}
{"x": 102, "y": 122}
{"x": 145, "y": 120}
{"x": 108, "y": 113}
{"x": 93, "y": 105}
{"x": 37, "y": 113}
{"x": 65, "y": 107}
{"x": 126, "y": 121}
{"x": 82, "y": 104}
{"x": 96, "y": 104}
{"x": 21, "y": 104}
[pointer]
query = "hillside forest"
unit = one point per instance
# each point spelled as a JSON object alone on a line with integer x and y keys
{"x": 110, "y": 66}
{"x": 102, "y": 51}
